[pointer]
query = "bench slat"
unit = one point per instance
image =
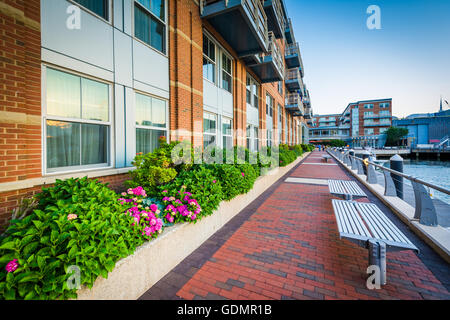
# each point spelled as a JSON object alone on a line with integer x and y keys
{"x": 366, "y": 221}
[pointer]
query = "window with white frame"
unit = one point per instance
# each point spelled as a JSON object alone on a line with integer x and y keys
{"x": 269, "y": 105}
{"x": 77, "y": 122}
{"x": 227, "y": 75}
{"x": 209, "y": 130}
{"x": 227, "y": 133}
{"x": 368, "y": 114}
{"x": 385, "y": 113}
{"x": 150, "y": 23}
{"x": 255, "y": 139}
{"x": 383, "y": 130}
{"x": 368, "y": 106}
{"x": 151, "y": 122}
{"x": 209, "y": 59}
{"x": 280, "y": 87}
{"x": 280, "y": 123}
{"x": 249, "y": 136}
{"x": 252, "y": 92}
{"x": 384, "y": 105}
{"x": 368, "y": 132}
{"x": 99, "y": 7}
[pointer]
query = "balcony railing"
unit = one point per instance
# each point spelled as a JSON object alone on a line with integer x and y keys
{"x": 289, "y": 32}
{"x": 292, "y": 56}
{"x": 269, "y": 67}
{"x": 377, "y": 116}
{"x": 294, "y": 104}
{"x": 275, "y": 17}
{"x": 293, "y": 80}
{"x": 242, "y": 23}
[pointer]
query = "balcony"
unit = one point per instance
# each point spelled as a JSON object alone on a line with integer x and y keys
{"x": 289, "y": 32}
{"x": 293, "y": 80}
{"x": 242, "y": 23}
{"x": 377, "y": 124}
{"x": 292, "y": 56}
{"x": 275, "y": 17}
{"x": 378, "y": 116}
{"x": 294, "y": 105}
{"x": 268, "y": 67}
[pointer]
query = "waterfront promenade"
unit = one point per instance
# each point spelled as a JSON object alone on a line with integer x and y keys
{"x": 285, "y": 245}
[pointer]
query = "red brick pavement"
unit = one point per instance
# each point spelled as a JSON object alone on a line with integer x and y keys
{"x": 290, "y": 249}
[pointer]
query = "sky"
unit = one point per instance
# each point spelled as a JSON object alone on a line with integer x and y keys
{"x": 408, "y": 59}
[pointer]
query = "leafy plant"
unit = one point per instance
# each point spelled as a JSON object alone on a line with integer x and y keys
{"x": 78, "y": 222}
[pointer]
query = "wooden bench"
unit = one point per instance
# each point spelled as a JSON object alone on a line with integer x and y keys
{"x": 366, "y": 225}
{"x": 346, "y": 189}
{"x": 326, "y": 157}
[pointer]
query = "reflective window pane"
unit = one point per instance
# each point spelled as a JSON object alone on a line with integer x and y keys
{"x": 157, "y": 33}
{"x": 95, "y": 100}
{"x": 159, "y": 113}
{"x": 99, "y": 7}
{"x": 157, "y": 8}
{"x": 63, "y": 94}
{"x": 63, "y": 144}
{"x": 141, "y": 24}
{"x": 147, "y": 140}
{"x": 143, "y": 110}
{"x": 94, "y": 144}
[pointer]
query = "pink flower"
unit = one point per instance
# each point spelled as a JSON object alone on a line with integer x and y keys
{"x": 154, "y": 207}
{"x": 71, "y": 217}
{"x": 243, "y": 174}
{"x": 12, "y": 266}
{"x": 214, "y": 181}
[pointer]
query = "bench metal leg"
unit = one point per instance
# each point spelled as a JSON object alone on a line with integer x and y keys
{"x": 377, "y": 257}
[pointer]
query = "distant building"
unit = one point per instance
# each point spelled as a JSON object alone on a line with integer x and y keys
{"x": 427, "y": 128}
{"x": 362, "y": 123}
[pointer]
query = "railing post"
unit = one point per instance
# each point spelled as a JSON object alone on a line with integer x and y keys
{"x": 396, "y": 163}
{"x": 354, "y": 164}
{"x": 360, "y": 168}
{"x": 371, "y": 175}
{"x": 389, "y": 186}
{"x": 425, "y": 210}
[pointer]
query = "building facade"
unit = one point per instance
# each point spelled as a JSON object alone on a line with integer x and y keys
{"x": 86, "y": 85}
{"x": 426, "y": 129}
{"x": 361, "y": 124}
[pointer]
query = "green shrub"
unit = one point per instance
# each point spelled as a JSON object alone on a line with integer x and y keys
{"x": 234, "y": 179}
{"x": 46, "y": 242}
{"x": 204, "y": 186}
{"x": 154, "y": 169}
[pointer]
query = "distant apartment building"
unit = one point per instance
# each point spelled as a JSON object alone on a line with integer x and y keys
{"x": 86, "y": 85}
{"x": 426, "y": 129}
{"x": 362, "y": 123}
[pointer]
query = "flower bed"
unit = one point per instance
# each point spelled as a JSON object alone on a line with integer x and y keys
{"x": 82, "y": 223}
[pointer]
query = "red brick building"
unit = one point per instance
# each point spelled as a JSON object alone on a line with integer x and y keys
{"x": 84, "y": 86}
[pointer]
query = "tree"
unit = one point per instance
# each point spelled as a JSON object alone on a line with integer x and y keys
{"x": 395, "y": 135}
{"x": 334, "y": 143}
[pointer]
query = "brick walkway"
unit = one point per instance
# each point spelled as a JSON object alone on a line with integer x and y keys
{"x": 285, "y": 245}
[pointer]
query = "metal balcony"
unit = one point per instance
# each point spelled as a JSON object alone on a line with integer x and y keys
{"x": 268, "y": 67}
{"x": 242, "y": 23}
{"x": 289, "y": 32}
{"x": 292, "y": 56}
{"x": 294, "y": 105}
{"x": 293, "y": 80}
{"x": 275, "y": 17}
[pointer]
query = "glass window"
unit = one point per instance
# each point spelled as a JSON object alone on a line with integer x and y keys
{"x": 209, "y": 59}
{"x": 149, "y": 23}
{"x": 226, "y": 73}
{"x": 209, "y": 130}
{"x": 151, "y": 122}
{"x": 255, "y": 139}
{"x": 227, "y": 132}
{"x": 252, "y": 92}
{"x": 77, "y": 122}
{"x": 269, "y": 105}
{"x": 384, "y": 105}
{"x": 249, "y": 134}
{"x": 368, "y": 106}
{"x": 99, "y": 7}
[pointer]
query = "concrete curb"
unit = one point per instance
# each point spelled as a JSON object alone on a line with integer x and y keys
{"x": 438, "y": 238}
{"x": 134, "y": 275}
